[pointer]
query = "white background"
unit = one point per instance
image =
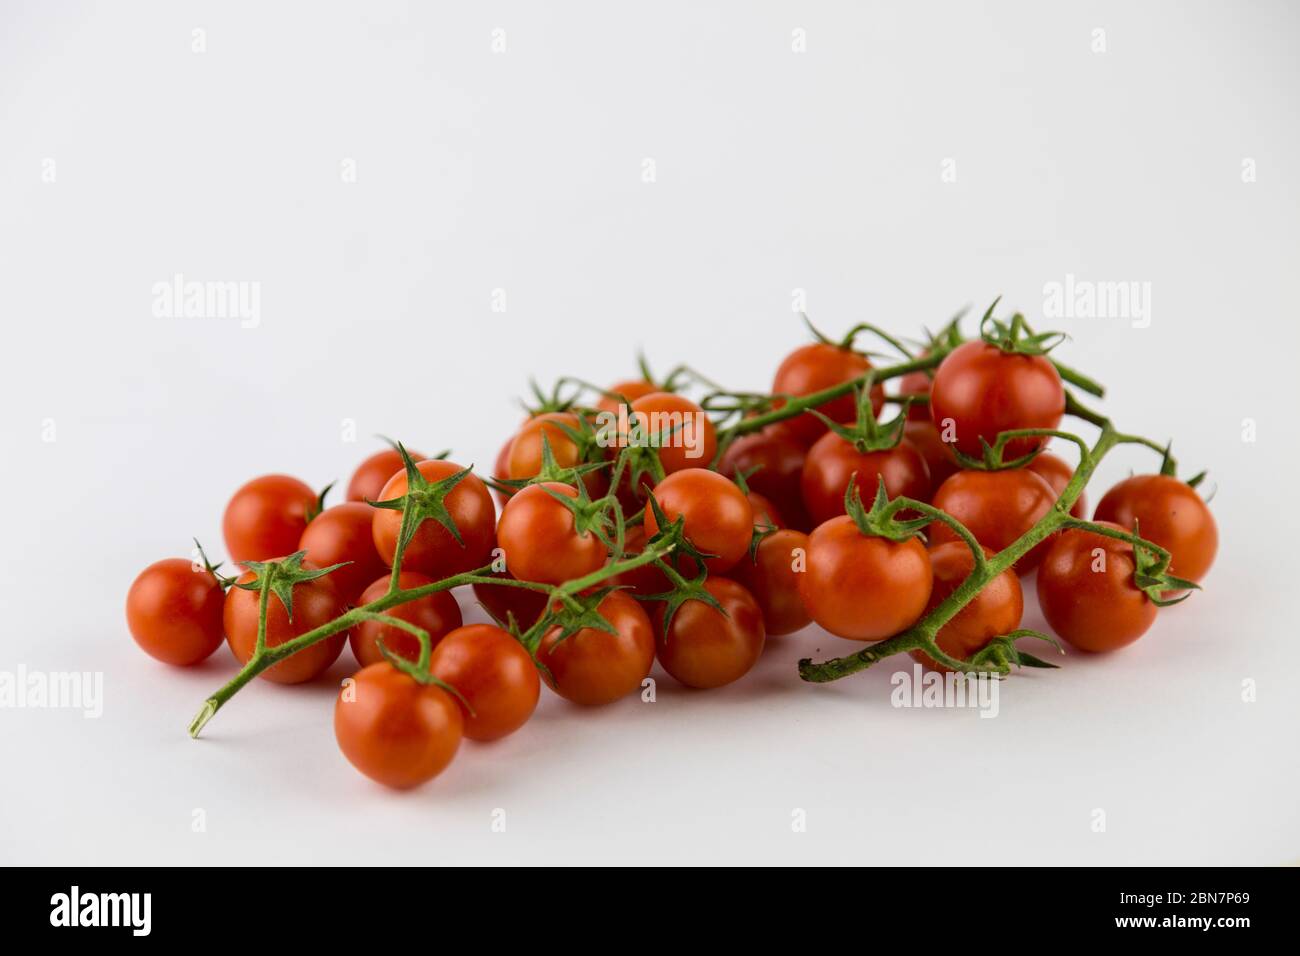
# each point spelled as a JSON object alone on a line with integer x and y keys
{"x": 522, "y": 171}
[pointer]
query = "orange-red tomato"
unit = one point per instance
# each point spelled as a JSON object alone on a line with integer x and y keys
{"x": 994, "y": 611}
{"x": 766, "y": 514}
{"x": 646, "y": 579}
{"x": 938, "y": 455}
{"x": 997, "y": 507}
{"x": 832, "y": 462}
{"x": 775, "y": 462}
{"x": 592, "y": 666}
{"x": 704, "y": 648}
{"x": 340, "y": 534}
{"x": 315, "y": 602}
{"x": 773, "y": 579}
{"x": 628, "y": 391}
{"x": 266, "y": 517}
{"x": 1167, "y": 512}
{"x": 503, "y": 600}
{"x": 678, "y": 428}
{"x": 494, "y": 674}
{"x": 916, "y": 383}
{"x": 394, "y": 729}
{"x": 372, "y": 474}
{"x": 437, "y": 613}
{"x": 1087, "y": 592}
{"x": 174, "y": 612}
{"x": 433, "y": 550}
{"x": 717, "y": 517}
{"x": 540, "y": 539}
{"x": 1057, "y": 472}
{"x": 813, "y": 368}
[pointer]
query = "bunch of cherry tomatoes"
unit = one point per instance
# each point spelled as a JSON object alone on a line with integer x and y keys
{"x": 613, "y": 549}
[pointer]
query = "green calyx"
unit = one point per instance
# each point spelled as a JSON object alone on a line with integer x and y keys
{"x": 1001, "y": 653}
{"x": 279, "y": 577}
{"x": 1016, "y": 337}
{"x": 424, "y": 501}
{"x": 880, "y": 521}
{"x": 867, "y": 434}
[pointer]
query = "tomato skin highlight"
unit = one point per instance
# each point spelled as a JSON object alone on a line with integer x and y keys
{"x": 315, "y": 603}
{"x": 540, "y": 540}
{"x": 1167, "y": 512}
{"x": 812, "y": 368}
{"x": 593, "y": 667}
{"x": 718, "y": 518}
{"x": 997, "y": 507}
{"x": 344, "y": 533}
{"x": 1094, "y": 610}
{"x": 774, "y": 583}
{"x": 433, "y": 551}
{"x": 265, "y": 518}
{"x": 779, "y": 460}
{"x": 372, "y": 474}
{"x": 705, "y": 649}
{"x": 395, "y": 730}
{"x": 983, "y": 391}
{"x": 1056, "y": 471}
{"x": 494, "y": 673}
{"x": 832, "y": 462}
{"x": 994, "y": 611}
{"x": 861, "y": 587}
{"x": 174, "y": 612}
{"x": 437, "y": 613}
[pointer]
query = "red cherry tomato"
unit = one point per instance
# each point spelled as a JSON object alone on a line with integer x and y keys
{"x": 997, "y": 507}
{"x": 916, "y": 383}
{"x": 174, "y": 612}
{"x": 718, "y": 518}
{"x": 501, "y": 470}
{"x": 592, "y": 666}
{"x": 771, "y": 577}
{"x": 628, "y": 392}
{"x": 678, "y": 427}
{"x": 343, "y": 533}
{"x": 372, "y": 474}
{"x": 982, "y": 391}
{"x": 525, "y": 457}
{"x": 266, "y": 517}
{"x": 503, "y": 600}
{"x": 433, "y": 550}
{"x": 540, "y": 540}
{"x": 779, "y": 461}
{"x": 812, "y": 368}
{"x": 494, "y": 674}
{"x": 863, "y": 587}
{"x": 1057, "y": 472}
{"x": 1167, "y": 512}
{"x": 437, "y": 613}
{"x": 395, "y": 730}
{"x": 832, "y": 462}
{"x": 646, "y": 579}
{"x": 994, "y": 611}
{"x": 938, "y": 456}
{"x": 315, "y": 603}
{"x": 765, "y": 513}
{"x": 1087, "y": 593}
{"x": 703, "y": 648}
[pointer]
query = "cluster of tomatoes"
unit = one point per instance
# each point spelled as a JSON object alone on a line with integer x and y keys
{"x": 610, "y": 553}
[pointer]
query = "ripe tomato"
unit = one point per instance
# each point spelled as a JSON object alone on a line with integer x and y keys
{"x": 174, "y": 612}
{"x": 938, "y": 455}
{"x": 1057, "y": 472}
{"x": 433, "y": 551}
{"x": 372, "y": 474}
{"x": 983, "y": 391}
{"x": 648, "y": 578}
{"x": 266, "y": 517}
{"x": 394, "y": 729}
{"x": 540, "y": 540}
{"x": 719, "y": 519}
{"x": 779, "y": 461}
{"x": 630, "y": 390}
{"x": 916, "y": 383}
{"x": 994, "y": 611}
{"x": 1169, "y": 513}
{"x": 863, "y": 587}
{"x": 437, "y": 613}
{"x": 997, "y": 507}
{"x": 501, "y": 469}
{"x": 592, "y": 666}
{"x": 315, "y": 603}
{"x": 678, "y": 427}
{"x": 765, "y": 513}
{"x": 832, "y": 461}
{"x": 812, "y": 368}
{"x": 525, "y": 457}
{"x": 502, "y": 600}
{"x": 494, "y": 673}
{"x": 343, "y": 533}
{"x": 773, "y": 581}
{"x": 1086, "y": 590}
{"x": 703, "y": 648}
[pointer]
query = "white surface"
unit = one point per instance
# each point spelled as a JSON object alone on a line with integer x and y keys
{"x": 522, "y": 171}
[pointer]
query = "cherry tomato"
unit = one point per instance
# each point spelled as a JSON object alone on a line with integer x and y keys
{"x": 1086, "y": 590}
{"x": 779, "y": 461}
{"x": 646, "y": 579}
{"x": 832, "y": 462}
{"x": 628, "y": 391}
{"x": 703, "y": 648}
{"x": 997, "y": 506}
{"x": 1167, "y": 512}
{"x": 719, "y": 519}
{"x": 812, "y": 368}
{"x": 174, "y": 612}
{"x": 372, "y": 474}
{"x": 266, "y": 517}
{"x": 1056, "y": 471}
{"x": 433, "y": 550}
{"x": 765, "y": 513}
{"x": 994, "y": 611}
{"x": 437, "y": 613}
{"x": 916, "y": 383}
{"x": 394, "y": 729}
{"x": 863, "y": 587}
{"x": 771, "y": 577}
{"x": 592, "y": 666}
{"x": 938, "y": 456}
{"x": 540, "y": 540}
{"x": 982, "y": 391}
{"x": 501, "y": 470}
{"x": 343, "y": 533}
{"x": 315, "y": 603}
{"x": 525, "y": 458}
{"x": 678, "y": 427}
{"x": 494, "y": 673}
{"x": 502, "y": 600}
